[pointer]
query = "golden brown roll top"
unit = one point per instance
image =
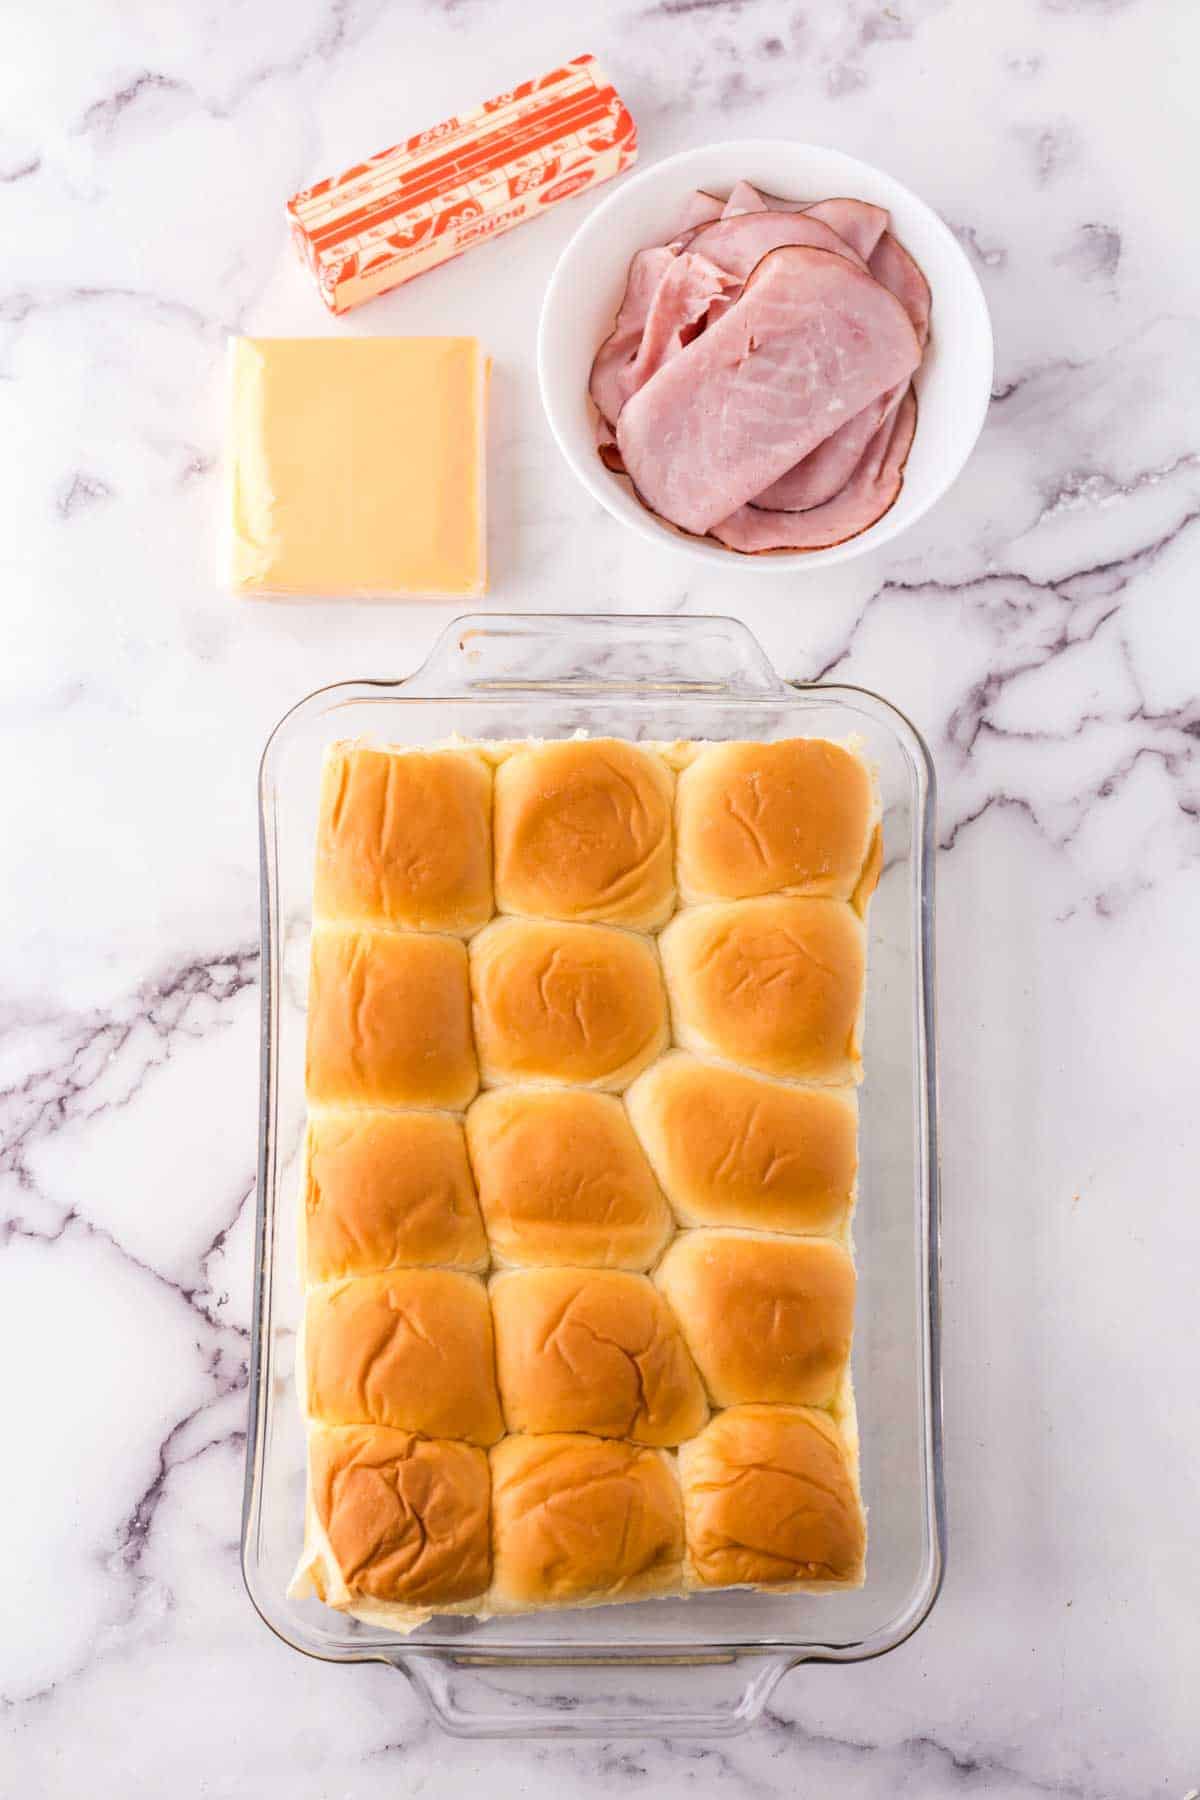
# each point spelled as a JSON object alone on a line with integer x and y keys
{"x": 568, "y": 1004}
{"x": 771, "y": 1497}
{"x": 766, "y": 1318}
{"x": 563, "y": 1179}
{"x": 389, "y": 1021}
{"x": 789, "y": 818}
{"x": 583, "y": 832}
{"x": 582, "y": 1520}
{"x": 773, "y": 984}
{"x": 737, "y": 1149}
{"x": 593, "y": 1350}
{"x": 385, "y": 1191}
{"x": 406, "y": 1518}
{"x": 411, "y": 1349}
{"x": 404, "y": 838}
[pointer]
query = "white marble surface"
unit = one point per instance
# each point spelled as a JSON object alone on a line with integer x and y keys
{"x": 1041, "y": 627}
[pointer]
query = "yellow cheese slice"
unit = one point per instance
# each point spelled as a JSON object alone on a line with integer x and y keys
{"x": 357, "y": 466}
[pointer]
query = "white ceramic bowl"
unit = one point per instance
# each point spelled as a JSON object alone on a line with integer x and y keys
{"x": 953, "y": 383}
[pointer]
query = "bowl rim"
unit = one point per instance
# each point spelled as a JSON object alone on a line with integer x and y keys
{"x": 600, "y": 484}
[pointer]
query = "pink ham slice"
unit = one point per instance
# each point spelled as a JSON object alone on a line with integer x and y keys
{"x": 828, "y": 468}
{"x": 810, "y": 343}
{"x": 870, "y": 492}
{"x": 698, "y": 209}
{"x": 743, "y": 199}
{"x": 681, "y": 299}
{"x": 645, "y": 273}
{"x": 739, "y": 243}
{"x": 857, "y": 221}
{"x": 891, "y": 264}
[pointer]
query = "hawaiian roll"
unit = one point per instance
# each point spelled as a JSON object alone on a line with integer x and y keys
{"x": 411, "y": 1349}
{"x": 794, "y": 817}
{"x": 765, "y": 1318}
{"x": 389, "y": 1020}
{"x": 583, "y": 831}
{"x": 406, "y": 1519}
{"x": 404, "y": 838}
{"x": 578, "y": 1521}
{"x": 566, "y": 1004}
{"x": 593, "y": 1350}
{"x": 736, "y": 1149}
{"x": 563, "y": 1179}
{"x": 385, "y": 1190}
{"x": 776, "y": 984}
{"x": 771, "y": 1499}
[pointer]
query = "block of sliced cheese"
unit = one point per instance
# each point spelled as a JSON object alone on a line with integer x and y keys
{"x": 472, "y": 177}
{"x": 356, "y": 466}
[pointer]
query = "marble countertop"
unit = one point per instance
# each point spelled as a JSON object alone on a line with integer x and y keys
{"x": 1040, "y": 626}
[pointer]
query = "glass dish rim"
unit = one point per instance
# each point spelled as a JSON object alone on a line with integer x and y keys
{"x": 791, "y": 1651}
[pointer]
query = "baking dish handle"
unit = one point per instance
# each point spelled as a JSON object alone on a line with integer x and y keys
{"x": 504, "y": 653}
{"x": 680, "y": 1696}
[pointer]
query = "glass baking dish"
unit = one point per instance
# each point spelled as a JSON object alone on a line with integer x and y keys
{"x": 705, "y": 1665}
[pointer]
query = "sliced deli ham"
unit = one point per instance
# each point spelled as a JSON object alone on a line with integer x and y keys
{"x": 857, "y": 221}
{"x": 738, "y": 242}
{"x": 811, "y": 341}
{"x": 698, "y": 209}
{"x": 827, "y": 469}
{"x": 891, "y": 264}
{"x": 743, "y": 199}
{"x": 645, "y": 272}
{"x": 745, "y": 390}
{"x": 681, "y": 299}
{"x": 871, "y": 492}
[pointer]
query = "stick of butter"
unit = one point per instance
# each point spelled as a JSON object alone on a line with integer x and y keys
{"x": 356, "y": 466}
{"x": 472, "y": 177}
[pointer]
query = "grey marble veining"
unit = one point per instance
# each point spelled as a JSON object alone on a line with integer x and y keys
{"x": 1040, "y": 627}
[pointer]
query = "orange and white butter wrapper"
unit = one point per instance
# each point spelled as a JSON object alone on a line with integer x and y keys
{"x": 472, "y": 177}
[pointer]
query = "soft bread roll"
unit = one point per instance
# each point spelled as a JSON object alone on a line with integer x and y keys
{"x": 766, "y": 1318}
{"x": 406, "y": 1519}
{"x": 563, "y": 1179}
{"x": 583, "y": 831}
{"x": 411, "y": 1349}
{"x": 789, "y": 818}
{"x": 388, "y": 1190}
{"x": 775, "y": 984}
{"x": 593, "y": 1350}
{"x": 582, "y": 1520}
{"x": 872, "y": 869}
{"x": 770, "y": 1496}
{"x": 565, "y": 1003}
{"x": 404, "y": 839}
{"x": 389, "y": 1021}
{"x": 737, "y": 1149}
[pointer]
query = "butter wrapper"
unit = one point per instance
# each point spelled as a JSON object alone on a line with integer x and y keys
{"x": 476, "y": 175}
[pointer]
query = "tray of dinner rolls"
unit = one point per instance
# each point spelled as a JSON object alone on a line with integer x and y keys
{"x": 597, "y": 1275}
